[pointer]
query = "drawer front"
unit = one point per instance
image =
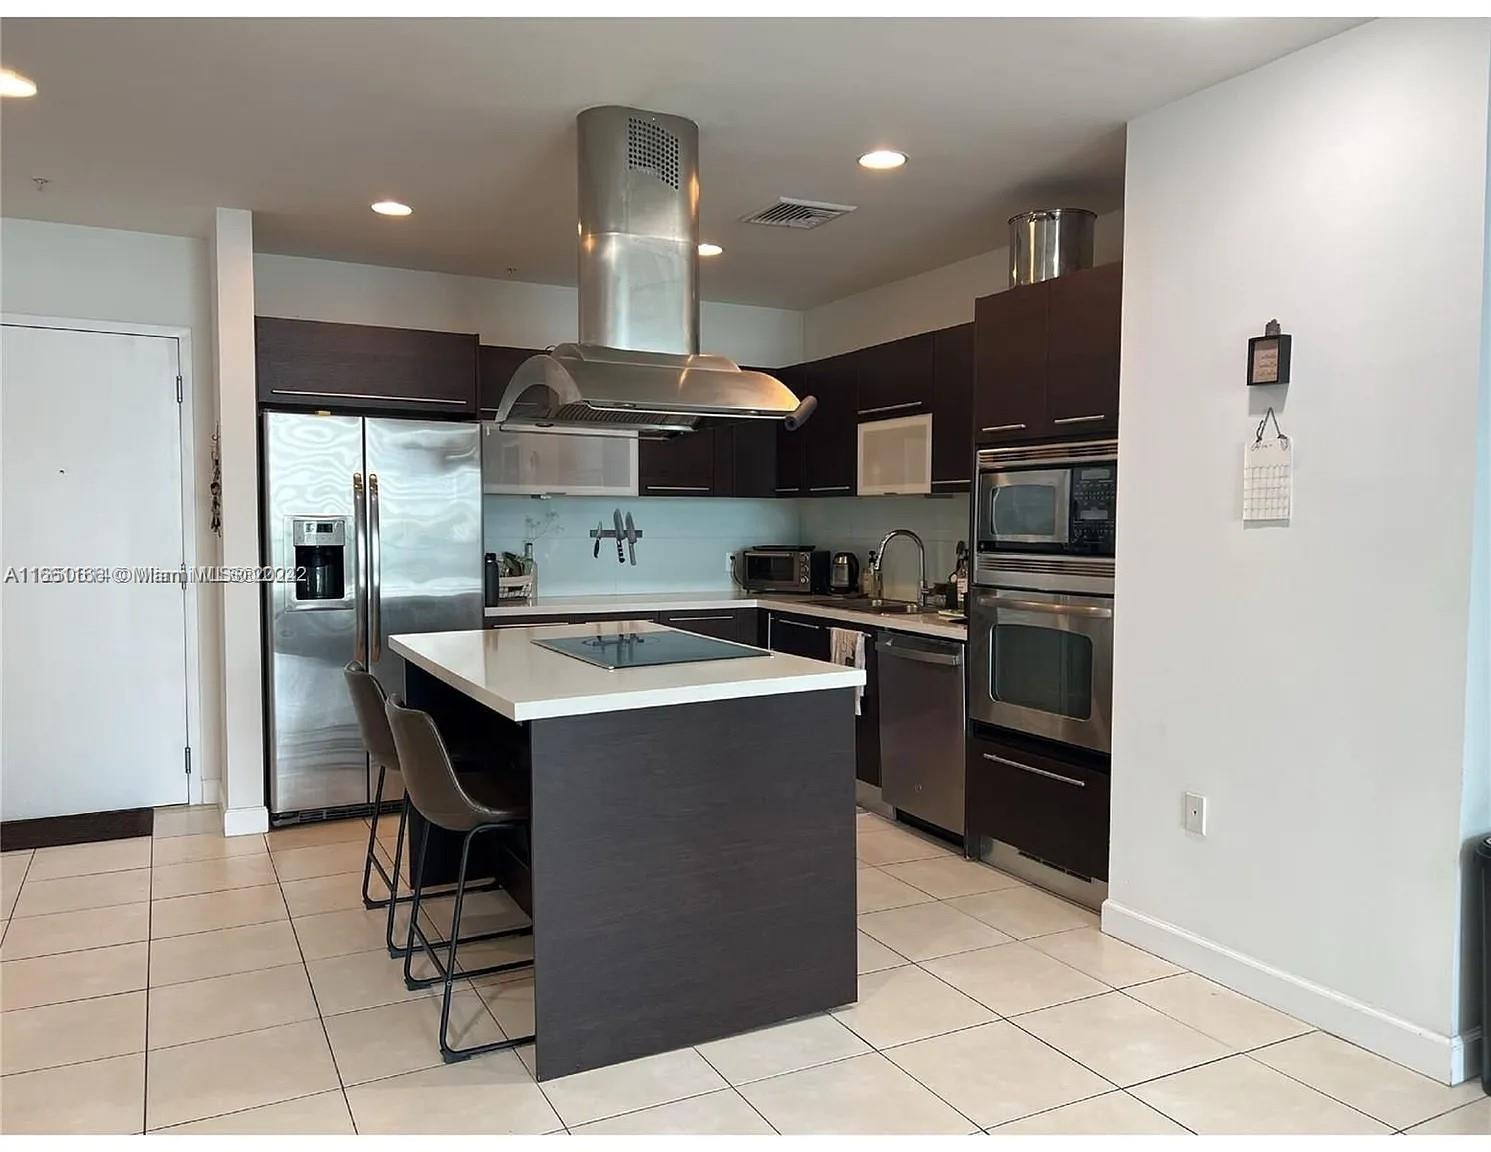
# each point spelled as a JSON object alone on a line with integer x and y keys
{"x": 1043, "y": 804}
{"x": 798, "y": 636}
{"x": 737, "y": 624}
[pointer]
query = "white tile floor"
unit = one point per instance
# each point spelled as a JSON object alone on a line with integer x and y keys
{"x": 237, "y": 986}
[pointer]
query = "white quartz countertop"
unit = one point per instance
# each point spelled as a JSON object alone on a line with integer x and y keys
{"x": 923, "y": 623}
{"x": 503, "y": 669}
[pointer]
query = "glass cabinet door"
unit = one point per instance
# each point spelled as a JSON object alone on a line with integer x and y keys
{"x": 895, "y": 456}
{"x": 533, "y": 463}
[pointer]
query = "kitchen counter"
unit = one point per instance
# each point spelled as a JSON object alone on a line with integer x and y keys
{"x": 503, "y": 669}
{"x": 923, "y": 623}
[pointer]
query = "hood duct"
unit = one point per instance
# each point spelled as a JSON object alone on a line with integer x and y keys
{"x": 1049, "y": 243}
{"x": 637, "y": 364}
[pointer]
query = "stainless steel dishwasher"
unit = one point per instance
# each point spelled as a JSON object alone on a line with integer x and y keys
{"x": 923, "y": 726}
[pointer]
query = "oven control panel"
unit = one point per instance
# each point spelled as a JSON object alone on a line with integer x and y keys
{"x": 1094, "y": 504}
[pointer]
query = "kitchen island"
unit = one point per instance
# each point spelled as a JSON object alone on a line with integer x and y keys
{"x": 692, "y": 842}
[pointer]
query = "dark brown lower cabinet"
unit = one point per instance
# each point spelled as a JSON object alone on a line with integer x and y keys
{"x": 809, "y": 636}
{"x": 737, "y": 624}
{"x": 797, "y": 636}
{"x": 1043, "y": 801}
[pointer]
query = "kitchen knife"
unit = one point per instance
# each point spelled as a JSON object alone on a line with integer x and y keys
{"x": 620, "y": 536}
{"x": 631, "y": 539}
{"x": 600, "y": 526}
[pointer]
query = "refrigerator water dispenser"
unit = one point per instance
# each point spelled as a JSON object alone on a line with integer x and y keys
{"x": 319, "y": 548}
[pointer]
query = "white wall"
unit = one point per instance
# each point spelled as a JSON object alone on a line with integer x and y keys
{"x": 500, "y": 311}
{"x": 70, "y": 272}
{"x": 1309, "y": 679}
{"x": 935, "y": 299}
{"x": 244, "y": 810}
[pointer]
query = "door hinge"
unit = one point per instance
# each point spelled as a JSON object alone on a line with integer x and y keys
{"x": 188, "y": 759}
{"x": 178, "y": 389}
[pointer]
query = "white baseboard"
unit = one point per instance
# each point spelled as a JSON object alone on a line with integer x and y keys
{"x": 245, "y": 821}
{"x": 209, "y": 792}
{"x": 1440, "y": 1057}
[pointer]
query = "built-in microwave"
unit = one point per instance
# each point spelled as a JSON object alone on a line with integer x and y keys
{"x": 783, "y": 568}
{"x": 1047, "y": 498}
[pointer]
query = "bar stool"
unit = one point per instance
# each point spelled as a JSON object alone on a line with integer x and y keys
{"x": 471, "y": 804}
{"x": 368, "y": 702}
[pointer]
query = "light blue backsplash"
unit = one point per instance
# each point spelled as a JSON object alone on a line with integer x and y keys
{"x": 685, "y": 541}
{"x": 859, "y": 524}
{"x": 682, "y": 550}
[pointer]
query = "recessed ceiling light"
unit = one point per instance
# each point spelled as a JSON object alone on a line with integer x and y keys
{"x": 707, "y": 249}
{"x": 882, "y": 159}
{"x": 391, "y": 208}
{"x": 12, "y": 83}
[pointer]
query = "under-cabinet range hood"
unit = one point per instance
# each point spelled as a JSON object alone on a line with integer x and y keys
{"x": 637, "y": 364}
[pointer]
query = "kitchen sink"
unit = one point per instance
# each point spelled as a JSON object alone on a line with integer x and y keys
{"x": 870, "y": 604}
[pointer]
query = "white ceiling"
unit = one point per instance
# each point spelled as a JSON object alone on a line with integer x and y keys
{"x": 150, "y": 124}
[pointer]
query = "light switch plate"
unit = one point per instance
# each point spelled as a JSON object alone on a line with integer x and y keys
{"x": 1195, "y": 813}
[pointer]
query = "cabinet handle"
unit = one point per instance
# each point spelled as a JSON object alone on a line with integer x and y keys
{"x": 962, "y": 481}
{"x": 892, "y": 407}
{"x": 684, "y": 619}
{"x": 1035, "y": 771}
{"x": 679, "y": 488}
{"x": 1003, "y": 428}
{"x": 789, "y": 489}
{"x": 1080, "y": 419}
{"x": 362, "y": 396}
{"x": 832, "y": 488}
{"x": 800, "y": 624}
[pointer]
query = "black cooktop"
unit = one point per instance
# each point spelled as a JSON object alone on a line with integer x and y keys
{"x": 646, "y": 649}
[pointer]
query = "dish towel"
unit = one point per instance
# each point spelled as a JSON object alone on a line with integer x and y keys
{"x": 847, "y": 646}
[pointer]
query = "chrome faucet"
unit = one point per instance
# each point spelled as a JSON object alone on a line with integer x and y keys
{"x": 922, "y": 590}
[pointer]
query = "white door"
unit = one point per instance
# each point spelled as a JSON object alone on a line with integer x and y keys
{"x": 93, "y": 674}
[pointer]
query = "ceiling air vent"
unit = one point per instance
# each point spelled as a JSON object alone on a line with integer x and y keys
{"x": 788, "y": 212}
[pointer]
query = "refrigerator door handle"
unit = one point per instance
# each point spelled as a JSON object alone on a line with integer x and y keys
{"x": 375, "y": 563}
{"x": 359, "y": 572}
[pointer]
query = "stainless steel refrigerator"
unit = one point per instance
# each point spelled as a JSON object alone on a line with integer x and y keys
{"x": 381, "y": 521}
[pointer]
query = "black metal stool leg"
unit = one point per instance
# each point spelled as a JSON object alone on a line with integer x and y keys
{"x": 393, "y": 884}
{"x": 372, "y": 861}
{"x": 416, "y": 883}
{"x": 416, "y": 932}
{"x": 447, "y": 1053}
{"x": 416, "y": 929}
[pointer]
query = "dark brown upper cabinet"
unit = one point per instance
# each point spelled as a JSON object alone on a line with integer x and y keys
{"x": 1046, "y": 358}
{"x": 752, "y": 456}
{"x": 895, "y": 379}
{"x": 496, "y": 365}
{"x": 1082, "y": 351}
{"x": 682, "y": 465}
{"x": 833, "y": 436}
{"x": 952, "y": 408}
{"x": 1009, "y": 400}
{"x": 791, "y": 479}
{"x": 719, "y": 458}
{"x": 364, "y": 368}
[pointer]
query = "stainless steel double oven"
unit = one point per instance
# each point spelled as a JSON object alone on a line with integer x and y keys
{"x": 1040, "y": 625}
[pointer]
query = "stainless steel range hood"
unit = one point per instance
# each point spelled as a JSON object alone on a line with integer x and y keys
{"x": 637, "y": 364}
